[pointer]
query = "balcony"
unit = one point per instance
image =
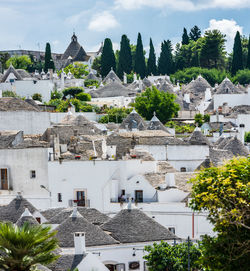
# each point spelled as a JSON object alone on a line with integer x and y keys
{"x": 80, "y": 203}
{"x": 144, "y": 200}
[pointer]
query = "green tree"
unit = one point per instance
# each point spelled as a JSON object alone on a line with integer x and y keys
{"x": 140, "y": 65}
{"x": 3, "y": 59}
{"x": 97, "y": 65}
{"x": 185, "y": 38}
{"x": 195, "y": 33}
{"x": 151, "y": 65}
{"x": 19, "y": 62}
{"x": 37, "y": 97}
{"x": 248, "y": 54}
{"x": 223, "y": 192}
{"x": 212, "y": 53}
{"x": 198, "y": 119}
{"x": 108, "y": 61}
{"x": 206, "y": 118}
{"x": 78, "y": 70}
{"x": 125, "y": 57}
{"x": 154, "y": 100}
{"x": 72, "y": 91}
{"x": 242, "y": 77}
{"x": 165, "y": 61}
{"x": 162, "y": 257}
{"x": 22, "y": 248}
{"x": 237, "y": 62}
{"x": 49, "y": 63}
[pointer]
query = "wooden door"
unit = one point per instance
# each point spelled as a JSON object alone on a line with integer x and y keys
{"x": 4, "y": 179}
{"x": 138, "y": 195}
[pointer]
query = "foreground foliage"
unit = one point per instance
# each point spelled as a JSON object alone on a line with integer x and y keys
{"x": 225, "y": 193}
{"x": 23, "y": 247}
{"x": 162, "y": 257}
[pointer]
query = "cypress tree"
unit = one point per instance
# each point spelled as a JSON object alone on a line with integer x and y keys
{"x": 185, "y": 38}
{"x": 195, "y": 33}
{"x": 49, "y": 63}
{"x": 237, "y": 63}
{"x": 140, "y": 65}
{"x": 248, "y": 54}
{"x": 151, "y": 65}
{"x": 125, "y": 57}
{"x": 165, "y": 61}
{"x": 107, "y": 58}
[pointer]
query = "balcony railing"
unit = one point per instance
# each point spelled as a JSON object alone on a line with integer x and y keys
{"x": 144, "y": 200}
{"x": 80, "y": 203}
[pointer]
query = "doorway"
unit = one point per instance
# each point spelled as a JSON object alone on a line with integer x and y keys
{"x": 4, "y": 179}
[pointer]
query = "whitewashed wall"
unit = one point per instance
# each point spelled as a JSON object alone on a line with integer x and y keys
{"x": 231, "y": 99}
{"x": 97, "y": 178}
{"x": 20, "y": 162}
{"x": 26, "y": 88}
{"x": 30, "y": 122}
{"x": 188, "y": 156}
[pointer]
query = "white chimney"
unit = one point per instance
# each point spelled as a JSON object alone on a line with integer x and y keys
{"x": 79, "y": 241}
{"x": 170, "y": 179}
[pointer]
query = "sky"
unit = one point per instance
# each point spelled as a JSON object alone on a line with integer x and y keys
{"x": 29, "y": 24}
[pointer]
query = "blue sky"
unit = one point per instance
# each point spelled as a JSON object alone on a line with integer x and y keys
{"x": 27, "y": 23}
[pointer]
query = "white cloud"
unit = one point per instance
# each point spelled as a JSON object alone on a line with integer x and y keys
{"x": 103, "y": 21}
{"x": 227, "y": 27}
{"x": 184, "y": 5}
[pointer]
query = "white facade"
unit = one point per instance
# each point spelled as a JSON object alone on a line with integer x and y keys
{"x": 20, "y": 163}
{"x": 32, "y": 122}
{"x": 231, "y": 99}
{"x": 26, "y": 88}
{"x": 187, "y": 156}
{"x": 103, "y": 183}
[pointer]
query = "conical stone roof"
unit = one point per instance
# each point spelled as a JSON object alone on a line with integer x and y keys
{"x": 155, "y": 124}
{"x": 197, "y": 86}
{"x": 76, "y": 223}
{"x": 14, "y": 210}
{"x": 26, "y": 217}
{"x": 197, "y": 138}
{"x": 113, "y": 89}
{"x": 132, "y": 225}
{"x": 110, "y": 77}
{"x": 227, "y": 87}
{"x": 133, "y": 121}
{"x": 236, "y": 147}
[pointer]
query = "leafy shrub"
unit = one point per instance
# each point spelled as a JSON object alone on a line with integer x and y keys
{"x": 242, "y": 77}
{"x": 72, "y": 91}
{"x": 56, "y": 95}
{"x": 9, "y": 93}
{"x": 37, "y": 97}
{"x": 115, "y": 115}
{"x": 91, "y": 82}
{"x": 83, "y": 96}
{"x": 247, "y": 137}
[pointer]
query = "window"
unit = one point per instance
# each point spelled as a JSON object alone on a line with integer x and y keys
{"x": 183, "y": 169}
{"x": 59, "y": 197}
{"x": 80, "y": 198}
{"x": 138, "y": 195}
{"x": 4, "y": 179}
{"x": 38, "y": 219}
{"x": 172, "y": 229}
{"x": 32, "y": 174}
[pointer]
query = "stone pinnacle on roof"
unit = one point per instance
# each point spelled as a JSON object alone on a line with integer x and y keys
{"x": 155, "y": 124}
